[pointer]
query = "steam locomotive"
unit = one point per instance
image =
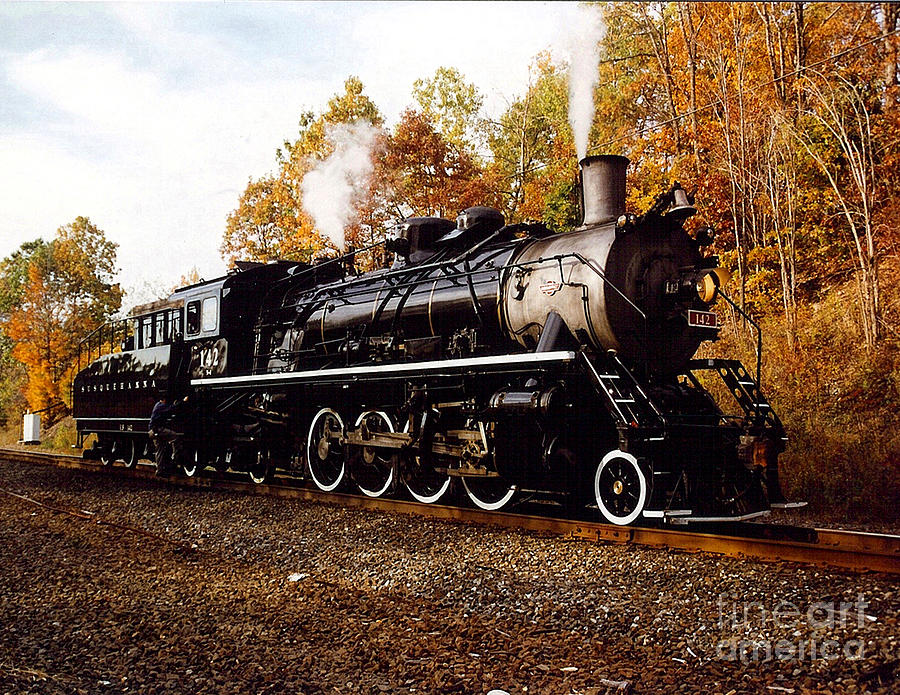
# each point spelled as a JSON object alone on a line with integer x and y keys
{"x": 497, "y": 360}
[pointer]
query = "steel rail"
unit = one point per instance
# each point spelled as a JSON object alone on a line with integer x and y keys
{"x": 851, "y": 550}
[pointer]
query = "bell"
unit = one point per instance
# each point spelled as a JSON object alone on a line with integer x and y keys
{"x": 682, "y": 208}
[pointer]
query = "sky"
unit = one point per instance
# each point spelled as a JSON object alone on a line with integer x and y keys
{"x": 151, "y": 118}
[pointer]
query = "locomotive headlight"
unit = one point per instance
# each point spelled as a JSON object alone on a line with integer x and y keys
{"x": 709, "y": 283}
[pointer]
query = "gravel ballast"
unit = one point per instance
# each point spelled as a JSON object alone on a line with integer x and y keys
{"x": 214, "y": 591}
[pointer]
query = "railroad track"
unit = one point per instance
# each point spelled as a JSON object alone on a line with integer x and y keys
{"x": 767, "y": 542}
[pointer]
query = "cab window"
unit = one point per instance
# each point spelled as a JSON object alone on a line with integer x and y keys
{"x": 147, "y": 332}
{"x": 193, "y": 317}
{"x": 210, "y": 314}
{"x": 174, "y": 318}
{"x": 160, "y": 325}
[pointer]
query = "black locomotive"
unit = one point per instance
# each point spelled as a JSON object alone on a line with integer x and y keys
{"x": 504, "y": 357}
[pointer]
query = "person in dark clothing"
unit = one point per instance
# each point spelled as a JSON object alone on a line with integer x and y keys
{"x": 164, "y": 436}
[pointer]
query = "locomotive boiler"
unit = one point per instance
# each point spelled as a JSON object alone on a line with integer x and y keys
{"x": 507, "y": 359}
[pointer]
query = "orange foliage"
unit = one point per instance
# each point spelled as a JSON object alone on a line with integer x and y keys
{"x": 66, "y": 296}
{"x": 433, "y": 176}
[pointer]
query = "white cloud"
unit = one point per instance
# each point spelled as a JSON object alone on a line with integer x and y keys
{"x": 87, "y": 85}
{"x": 492, "y": 44}
{"x": 155, "y": 24}
{"x": 155, "y": 136}
{"x": 115, "y": 100}
{"x": 176, "y": 164}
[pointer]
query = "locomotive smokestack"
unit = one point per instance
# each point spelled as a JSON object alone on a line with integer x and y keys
{"x": 602, "y": 188}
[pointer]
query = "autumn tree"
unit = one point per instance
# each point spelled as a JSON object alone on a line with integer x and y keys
{"x": 712, "y": 94}
{"x": 192, "y": 277}
{"x": 270, "y": 221}
{"x": 13, "y": 377}
{"x": 13, "y": 279}
{"x": 267, "y": 224}
{"x": 842, "y": 122}
{"x": 432, "y": 175}
{"x": 67, "y": 292}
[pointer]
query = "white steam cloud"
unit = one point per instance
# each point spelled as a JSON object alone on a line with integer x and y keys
{"x": 584, "y": 52}
{"x": 333, "y": 188}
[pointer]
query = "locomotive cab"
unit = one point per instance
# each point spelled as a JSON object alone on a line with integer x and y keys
{"x": 221, "y": 315}
{"x": 207, "y": 347}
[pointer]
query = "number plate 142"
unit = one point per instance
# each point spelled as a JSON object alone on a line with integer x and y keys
{"x": 702, "y": 319}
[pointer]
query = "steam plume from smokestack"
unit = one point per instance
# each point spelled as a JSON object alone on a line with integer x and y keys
{"x": 584, "y": 52}
{"x": 332, "y": 189}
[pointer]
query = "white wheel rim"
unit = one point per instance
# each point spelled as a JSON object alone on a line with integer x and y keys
{"x": 190, "y": 470}
{"x": 429, "y": 499}
{"x": 132, "y": 457}
{"x": 489, "y": 506}
{"x": 260, "y": 479}
{"x": 426, "y": 499}
{"x": 309, "y": 438}
{"x": 642, "y": 495}
{"x": 386, "y": 418}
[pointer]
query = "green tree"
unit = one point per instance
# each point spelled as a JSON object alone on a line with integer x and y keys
{"x": 534, "y": 152}
{"x": 14, "y": 275}
{"x": 453, "y": 105}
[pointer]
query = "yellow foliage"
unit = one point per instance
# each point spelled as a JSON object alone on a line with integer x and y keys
{"x": 67, "y": 294}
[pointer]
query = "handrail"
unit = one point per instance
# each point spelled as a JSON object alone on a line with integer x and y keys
{"x": 116, "y": 328}
{"x": 458, "y": 275}
{"x": 97, "y": 330}
{"x": 759, "y": 342}
{"x": 605, "y": 279}
{"x": 362, "y": 280}
{"x": 360, "y": 286}
{"x": 640, "y": 389}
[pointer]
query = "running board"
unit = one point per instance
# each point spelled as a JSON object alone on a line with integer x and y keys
{"x": 788, "y": 505}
